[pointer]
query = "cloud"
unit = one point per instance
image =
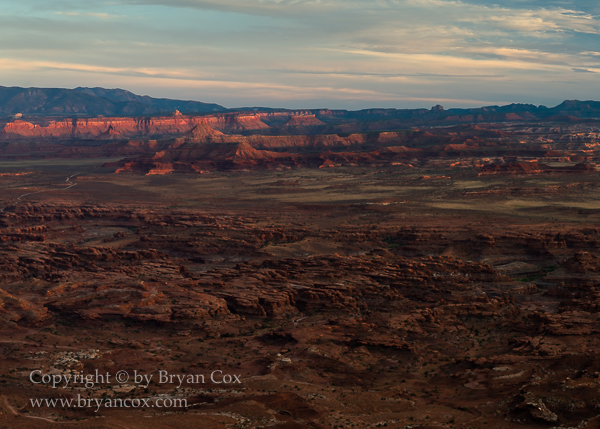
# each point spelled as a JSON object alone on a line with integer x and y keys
{"x": 528, "y": 55}
{"x": 350, "y": 73}
{"x": 243, "y": 89}
{"x": 30, "y": 65}
{"x": 534, "y": 20}
{"x": 405, "y": 50}
{"x": 457, "y": 64}
{"x": 543, "y": 21}
{"x": 580, "y": 70}
{"x": 278, "y": 8}
{"x": 89, "y": 14}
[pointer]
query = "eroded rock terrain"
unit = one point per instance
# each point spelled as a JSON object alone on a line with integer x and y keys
{"x": 423, "y": 296}
{"x": 300, "y": 269}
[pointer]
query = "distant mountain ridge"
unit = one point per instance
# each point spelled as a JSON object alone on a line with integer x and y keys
{"x": 574, "y": 108}
{"x": 92, "y": 102}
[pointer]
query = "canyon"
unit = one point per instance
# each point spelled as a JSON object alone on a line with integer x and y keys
{"x": 303, "y": 269}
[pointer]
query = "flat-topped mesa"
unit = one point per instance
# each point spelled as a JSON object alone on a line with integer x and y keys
{"x": 235, "y": 123}
{"x": 167, "y": 126}
{"x": 281, "y": 123}
{"x": 303, "y": 121}
{"x": 99, "y": 127}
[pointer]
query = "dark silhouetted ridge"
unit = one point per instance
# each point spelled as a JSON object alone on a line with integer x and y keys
{"x": 91, "y": 102}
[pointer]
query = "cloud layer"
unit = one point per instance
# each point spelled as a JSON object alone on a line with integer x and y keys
{"x": 309, "y": 53}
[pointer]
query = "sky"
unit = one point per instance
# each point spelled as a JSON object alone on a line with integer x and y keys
{"x": 340, "y": 54}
